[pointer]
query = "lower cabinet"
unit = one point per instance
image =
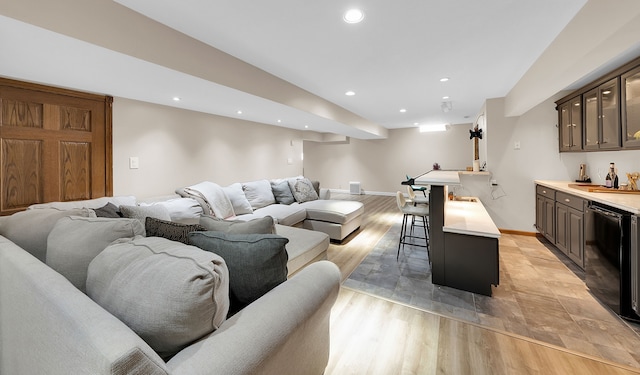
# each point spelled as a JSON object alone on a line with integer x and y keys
{"x": 545, "y": 212}
{"x": 570, "y": 231}
{"x": 561, "y": 220}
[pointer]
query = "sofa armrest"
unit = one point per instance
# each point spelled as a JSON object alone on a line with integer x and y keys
{"x": 284, "y": 332}
{"x": 325, "y": 193}
{"x": 48, "y": 326}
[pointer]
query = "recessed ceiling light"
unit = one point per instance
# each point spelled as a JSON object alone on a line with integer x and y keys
{"x": 279, "y": 121}
{"x": 445, "y": 79}
{"x": 445, "y": 97}
{"x": 349, "y": 93}
{"x": 239, "y": 112}
{"x": 403, "y": 110}
{"x": 176, "y": 99}
{"x": 415, "y": 123}
{"x": 353, "y": 16}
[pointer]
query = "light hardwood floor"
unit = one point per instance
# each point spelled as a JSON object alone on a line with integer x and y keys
{"x": 371, "y": 335}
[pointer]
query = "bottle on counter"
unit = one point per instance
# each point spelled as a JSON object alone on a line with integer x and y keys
{"x": 611, "y": 181}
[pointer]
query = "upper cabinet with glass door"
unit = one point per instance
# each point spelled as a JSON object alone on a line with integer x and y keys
{"x": 601, "y": 117}
{"x": 631, "y": 108}
{"x": 570, "y": 120}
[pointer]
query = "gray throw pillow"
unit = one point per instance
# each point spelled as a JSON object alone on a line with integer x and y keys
{"x": 108, "y": 210}
{"x": 282, "y": 192}
{"x": 142, "y": 212}
{"x": 169, "y": 293}
{"x": 303, "y": 190}
{"x": 29, "y": 229}
{"x": 170, "y": 230}
{"x": 263, "y": 225}
{"x": 74, "y": 241}
{"x": 257, "y": 262}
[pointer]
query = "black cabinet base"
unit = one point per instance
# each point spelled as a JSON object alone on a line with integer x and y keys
{"x": 471, "y": 263}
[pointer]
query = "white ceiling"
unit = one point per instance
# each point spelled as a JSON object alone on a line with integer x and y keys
{"x": 393, "y": 59}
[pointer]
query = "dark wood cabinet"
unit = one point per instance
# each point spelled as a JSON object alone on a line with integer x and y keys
{"x": 608, "y": 110}
{"x": 570, "y": 226}
{"x": 602, "y": 116}
{"x": 570, "y": 120}
{"x": 560, "y": 217}
{"x": 631, "y": 108}
{"x": 545, "y": 212}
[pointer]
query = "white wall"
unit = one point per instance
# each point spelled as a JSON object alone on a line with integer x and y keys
{"x": 512, "y": 203}
{"x": 380, "y": 165}
{"x": 177, "y": 148}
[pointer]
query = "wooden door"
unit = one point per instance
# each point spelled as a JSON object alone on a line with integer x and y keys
{"x": 55, "y": 145}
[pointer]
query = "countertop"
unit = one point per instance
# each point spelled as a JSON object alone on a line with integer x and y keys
{"x": 627, "y": 202}
{"x": 468, "y": 218}
{"x": 439, "y": 178}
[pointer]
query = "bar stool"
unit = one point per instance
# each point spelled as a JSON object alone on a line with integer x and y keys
{"x": 409, "y": 211}
{"x": 416, "y": 200}
{"x": 423, "y": 189}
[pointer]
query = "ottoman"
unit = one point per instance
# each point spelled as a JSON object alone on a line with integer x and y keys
{"x": 337, "y": 218}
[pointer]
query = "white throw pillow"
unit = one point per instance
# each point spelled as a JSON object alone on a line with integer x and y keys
{"x": 259, "y": 193}
{"x": 238, "y": 200}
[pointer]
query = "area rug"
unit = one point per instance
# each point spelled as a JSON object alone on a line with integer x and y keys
{"x": 539, "y": 296}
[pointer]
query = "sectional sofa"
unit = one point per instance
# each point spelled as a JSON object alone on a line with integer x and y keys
{"x": 294, "y": 201}
{"x": 104, "y": 295}
{"x": 61, "y": 314}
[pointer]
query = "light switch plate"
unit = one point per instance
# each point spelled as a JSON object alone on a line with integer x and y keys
{"x": 134, "y": 162}
{"x": 516, "y": 145}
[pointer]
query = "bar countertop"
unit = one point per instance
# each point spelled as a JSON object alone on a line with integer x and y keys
{"x": 468, "y": 217}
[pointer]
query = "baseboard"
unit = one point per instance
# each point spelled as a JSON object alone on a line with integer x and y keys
{"x": 518, "y": 232}
{"x": 364, "y": 192}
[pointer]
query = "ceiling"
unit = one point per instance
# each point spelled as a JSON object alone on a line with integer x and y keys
{"x": 392, "y": 60}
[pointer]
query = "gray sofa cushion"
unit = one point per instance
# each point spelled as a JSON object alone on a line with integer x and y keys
{"x": 303, "y": 190}
{"x": 29, "y": 229}
{"x": 169, "y": 293}
{"x": 281, "y": 214}
{"x": 74, "y": 241}
{"x": 303, "y": 247}
{"x": 257, "y": 262}
{"x": 264, "y": 225}
{"x": 282, "y": 192}
{"x": 170, "y": 230}
{"x": 259, "y": 193}
{"x": 333, "y": 211}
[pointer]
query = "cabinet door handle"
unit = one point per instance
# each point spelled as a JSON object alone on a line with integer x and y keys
{"x": 567, "y": 200}
{"x": 544, "y": 192}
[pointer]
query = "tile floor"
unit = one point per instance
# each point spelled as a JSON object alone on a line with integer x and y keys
{"x": 541, "y": 295}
